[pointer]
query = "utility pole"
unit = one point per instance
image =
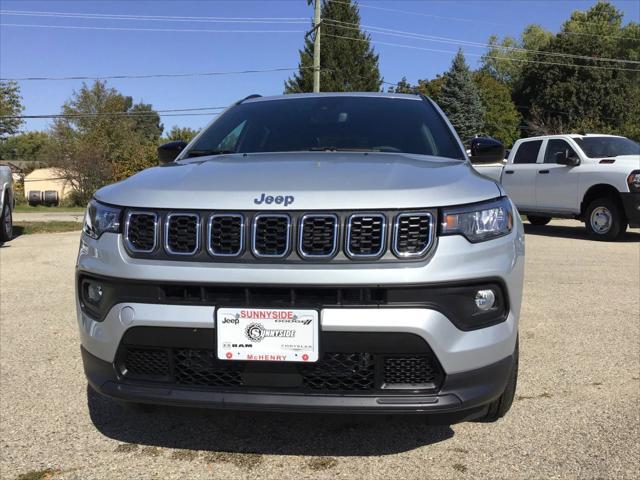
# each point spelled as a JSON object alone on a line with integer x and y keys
{"x": 316, "y": 46}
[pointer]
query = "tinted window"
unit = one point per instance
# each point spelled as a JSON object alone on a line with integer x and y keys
{"x": 557, "y": 146}
{"x": 528, "y": 152}
{"x": 595, "y": 147}
{"x": 317, "y": 123}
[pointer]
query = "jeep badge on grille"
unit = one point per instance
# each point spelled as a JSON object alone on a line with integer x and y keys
{"x": 285, "y": 200}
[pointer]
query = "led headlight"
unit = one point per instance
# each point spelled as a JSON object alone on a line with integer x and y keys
{"x": 100, "y": 218}
{"x": 480, "y": 221}
{"x": 633, "y": 180}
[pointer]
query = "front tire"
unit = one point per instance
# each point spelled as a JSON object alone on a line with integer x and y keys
{"x": 604, "y": 220}
{"x": 538, "y": 220}
{"x": 499, "y": 407}
{"x": 6, "y": 223}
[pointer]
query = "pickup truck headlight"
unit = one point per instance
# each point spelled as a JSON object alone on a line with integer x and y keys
{"x": 633, "y": 180}
{"x": 480, "y": 221}
{"x": 100, "y": 218}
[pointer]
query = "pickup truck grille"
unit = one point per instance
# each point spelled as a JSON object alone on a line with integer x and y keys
{"x": 337, "y": 237}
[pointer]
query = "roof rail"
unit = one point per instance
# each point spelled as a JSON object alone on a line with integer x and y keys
{"x": 255, "y": 95}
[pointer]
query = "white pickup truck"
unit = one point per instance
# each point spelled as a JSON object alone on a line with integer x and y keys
{"x": 6, "y": 204}
{"x": 593, "y": 178}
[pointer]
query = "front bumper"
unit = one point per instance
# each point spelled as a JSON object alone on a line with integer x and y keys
{"x": 631, "y": 204}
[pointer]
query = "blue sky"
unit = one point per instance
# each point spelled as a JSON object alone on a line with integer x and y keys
{"x": 29, "y": 51}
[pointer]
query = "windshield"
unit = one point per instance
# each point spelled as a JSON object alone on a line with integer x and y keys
{"x": 596, "y": 147}
{"x": 338, "y": 123}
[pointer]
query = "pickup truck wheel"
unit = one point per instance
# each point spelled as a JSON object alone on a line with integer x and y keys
{"x": 499, "y": 407}
{"x": 537, "y": 220}
{"x": 6, "y": 223}
{"x": 604, "y": 220}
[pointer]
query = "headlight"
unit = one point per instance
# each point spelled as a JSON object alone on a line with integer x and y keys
{"x": 101, "y": 218}
{"x": 480, "y": 221}
{"x": 633, "y": 181}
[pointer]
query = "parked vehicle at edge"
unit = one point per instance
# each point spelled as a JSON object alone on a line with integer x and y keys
{"x": 313, "y": 252}
{"x": 6, "y": 204}
{"x": 594, "y": 178}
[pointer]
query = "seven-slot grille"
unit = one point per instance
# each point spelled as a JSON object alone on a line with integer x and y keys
{"x": 318, "y": 235}
{"x": 271, "y": 234}
{"x": 226, "y": 235}
{"x": 294, "y": 236}
{"x": 140, "y": 231}
{"x": 413, "y": 234}
{"x": 366, "y": 235}
{"x": 182, "y": 233}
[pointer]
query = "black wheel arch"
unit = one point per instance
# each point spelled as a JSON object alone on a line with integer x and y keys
{"x": 600, "y": 190}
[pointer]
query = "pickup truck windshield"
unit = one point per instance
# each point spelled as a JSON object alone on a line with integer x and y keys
{"x": 596, "y": 147}
{"x": 328, "y": 123}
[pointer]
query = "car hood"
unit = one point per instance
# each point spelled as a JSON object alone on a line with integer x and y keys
{"x": 315, "y": 180}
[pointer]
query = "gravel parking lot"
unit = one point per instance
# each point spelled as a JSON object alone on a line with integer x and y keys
{"x": 576, "y": 414}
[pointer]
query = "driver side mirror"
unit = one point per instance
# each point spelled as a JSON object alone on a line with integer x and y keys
{"x": 486, "y": 150}
{"x": 563, "y": 158}
{"x": 168, "y": 152}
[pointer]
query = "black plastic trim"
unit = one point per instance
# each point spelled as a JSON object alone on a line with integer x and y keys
{"x": 631, "y": 204}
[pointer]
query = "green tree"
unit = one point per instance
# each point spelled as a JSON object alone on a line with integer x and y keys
{"x": 103, "y": 138}
{"x": 10, "y": 106}
{"x": 501, "y": 117}
{"x": 180, "y": 133}
{"x": 35, "y": 146}
{"x": 348, "y": 64}
{"x": 403, "y": 86}
{"x": 579, "y": 94}
{"x": 460, "y": 99}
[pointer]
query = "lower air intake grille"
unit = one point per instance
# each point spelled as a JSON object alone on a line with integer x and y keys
{"x": 366, "y": 235}
{"x": 340, "y": 371}
{"x": 147, "y": 361}
{"x": 182, "y": 233}
{"x": 417, "y": 371}
{"x": 318, "y": 235}
{"x": 271, "y": 235}
{"x": 413, "y": 234}
{"x": 140, "y": 231}
{"x": 202, "y": 368}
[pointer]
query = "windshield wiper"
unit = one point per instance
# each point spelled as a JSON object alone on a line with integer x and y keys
{"x": 205, "y": 153}
{"x": 338, "y": 149}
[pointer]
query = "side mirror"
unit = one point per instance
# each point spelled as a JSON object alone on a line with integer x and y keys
{"x": 486, "y": 150}
{"x": 168, "y": 152}
{"x": 563, "y": 158}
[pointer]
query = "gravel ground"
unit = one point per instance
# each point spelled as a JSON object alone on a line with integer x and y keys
{"x": 576, "y": 414}
{"x": 48, "y": 216}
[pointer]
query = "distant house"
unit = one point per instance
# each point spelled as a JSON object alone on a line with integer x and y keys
{"x": 47, "y": 179}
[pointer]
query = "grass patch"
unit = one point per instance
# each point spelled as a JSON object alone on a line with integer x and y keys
{"x": 37, "y": 475}
{"x": 28, "y": 228}
{"x": 42, "y": 208}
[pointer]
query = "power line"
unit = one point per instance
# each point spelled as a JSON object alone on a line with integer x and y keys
{"x": 432, "y": 38}
{"x": 109, "y": 114}
{"x": 413, "y": 47}
{"x": 152, "y": 75}
{"x": 139, "y": 29}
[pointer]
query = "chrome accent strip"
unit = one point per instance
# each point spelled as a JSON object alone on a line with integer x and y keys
{"x": 253, "y": 234}
{"x": 242, "y": 233}
{"x": 166, "y": 233}
{"x": 128, "y": 243}
{"x": 383, "y": 244}
{"x": 335, "y": 234}
{"x": 394, "y": 245}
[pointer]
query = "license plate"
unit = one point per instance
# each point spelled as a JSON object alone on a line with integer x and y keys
{"x": 267, "y": 335}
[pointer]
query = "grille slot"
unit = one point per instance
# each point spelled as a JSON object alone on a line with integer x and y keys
{"x": 413, "y": 234}
{"x": 182, "y": 233}
{"x": 226, "y": 235}
{"x": 318, "y": 235}
{"x": 415, "y": 371}
{"x": 141, "y": 231}
{"x": 271, "y": 235}
{"x": 366, "y": 235}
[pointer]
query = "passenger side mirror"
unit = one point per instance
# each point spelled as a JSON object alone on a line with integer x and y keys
{"x": 486, "y": 150}
{"x": 563, "y": 158}
{"x": 168, "y": 152}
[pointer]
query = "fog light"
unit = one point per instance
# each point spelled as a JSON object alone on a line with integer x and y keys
{"x": 485, "y": 300}
{"x": 94, "y": 293}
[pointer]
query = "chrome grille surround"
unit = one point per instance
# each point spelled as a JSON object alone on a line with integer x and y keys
{"x": 396, "y": 235}
{"x": 301, "y": 230}
{"x": 254, "y": 234}
{"x": 167, "y": 227}
{"x": 210, "y": 247}
{"x": 349, "y": 235}
{"x": 128, "y": 242}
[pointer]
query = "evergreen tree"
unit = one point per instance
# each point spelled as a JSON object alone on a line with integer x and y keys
{"x": 348, "y": 64}
{"x": 460, "y": 99}
{"x": 501, "y": 117}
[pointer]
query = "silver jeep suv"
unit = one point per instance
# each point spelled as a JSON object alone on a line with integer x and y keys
{"x": 325, "y": 252}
